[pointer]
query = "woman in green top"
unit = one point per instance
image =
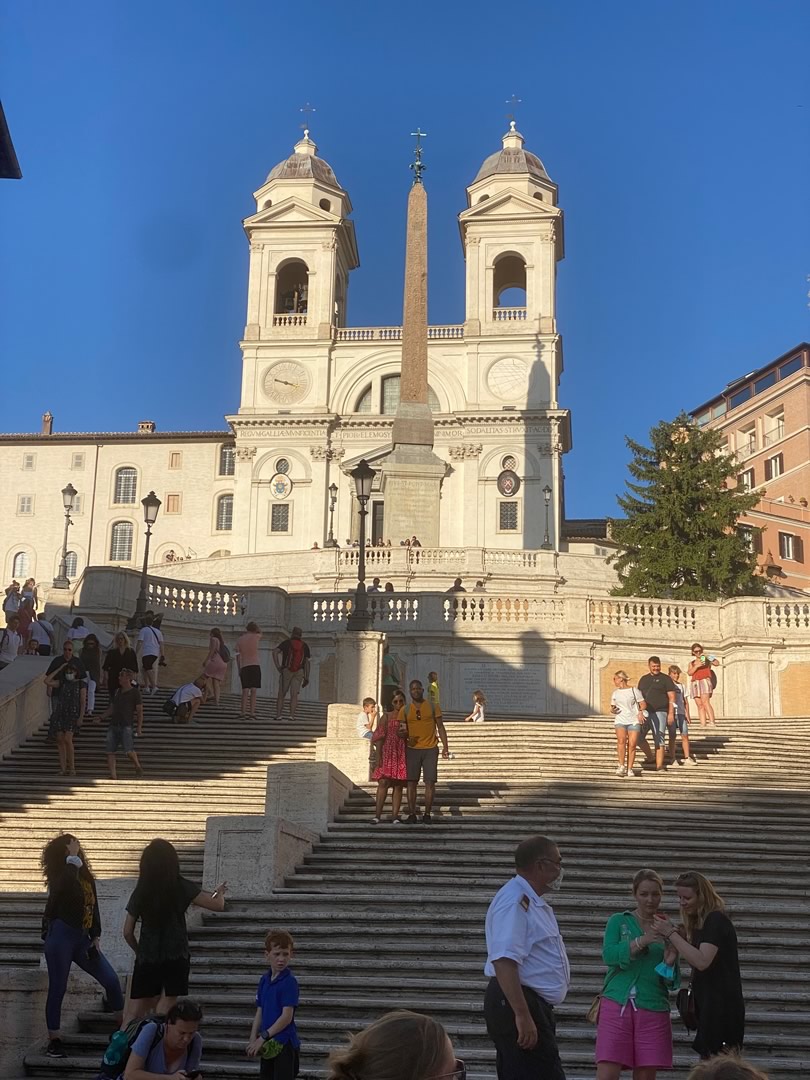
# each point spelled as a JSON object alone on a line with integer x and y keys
{"x": 634, "y": 1030}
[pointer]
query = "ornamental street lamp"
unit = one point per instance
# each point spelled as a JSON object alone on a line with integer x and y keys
{"x": 151, "y": 504}
{"x": 547, "y": 497}
{"x": 360, "y": 618}
{"x": 68, "y": 501}
{"x": 333, "y": 491}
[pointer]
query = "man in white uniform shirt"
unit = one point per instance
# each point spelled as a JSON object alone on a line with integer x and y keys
{"x": 527, "y": 965}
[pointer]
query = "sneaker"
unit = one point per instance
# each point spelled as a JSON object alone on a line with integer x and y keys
{"x": 637, "y": 770}
{"x": 411, "y": 819}
{"x": 56, "y": 1049}
{"x": 274, "y": 718}
{"x": 634, "y": 775}
{"x": 375, "y": 821}
{"x": 396, "y": 820}
{"x": 690, "y": 761}
{"x": 426, "y": 819}
{"x": 621, "y": 770}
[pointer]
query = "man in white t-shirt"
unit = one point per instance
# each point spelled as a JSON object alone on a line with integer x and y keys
{"x": 187, "y": 700}
{"x": 41, "y": 636}
{"x": 149, "y": 649}
{"x": 10, "y": 642}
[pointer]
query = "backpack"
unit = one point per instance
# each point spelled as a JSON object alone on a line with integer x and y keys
{"x": 295, "y": 654}
{"x": 224, "y": 652}
{"x": 169, "y": 708}
{"x": 119, "y": 1048}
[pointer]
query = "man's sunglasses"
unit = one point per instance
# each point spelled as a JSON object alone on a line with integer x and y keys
{"x": 458, "y": 1073}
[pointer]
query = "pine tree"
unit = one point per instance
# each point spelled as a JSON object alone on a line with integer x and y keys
{"x": 679, "y": 537}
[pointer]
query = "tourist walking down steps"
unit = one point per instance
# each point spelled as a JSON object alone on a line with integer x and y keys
{"x": 527, "y": 966}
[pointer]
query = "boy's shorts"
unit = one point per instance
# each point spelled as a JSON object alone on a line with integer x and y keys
{"x": 682, "y": 724}
{"x": 283, "y": 1067}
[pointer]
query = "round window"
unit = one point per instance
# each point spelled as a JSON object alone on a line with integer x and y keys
{"x": 282, "y": 465}
{"x": 509, "y": 462}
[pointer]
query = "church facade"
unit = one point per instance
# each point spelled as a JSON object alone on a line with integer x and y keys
{"x": 318, "y": 395}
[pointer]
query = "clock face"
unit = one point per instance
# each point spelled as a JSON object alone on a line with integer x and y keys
{"x": 508, "y": 378}
{"x": 286, "y": 382}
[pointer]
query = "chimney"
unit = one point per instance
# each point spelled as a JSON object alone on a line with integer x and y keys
{"x": 47, "y": 423}
{"x": 146, "y": 427}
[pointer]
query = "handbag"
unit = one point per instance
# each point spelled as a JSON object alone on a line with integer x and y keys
{"x": 592, "y": 1015}
{"x": 687, "y": 1010}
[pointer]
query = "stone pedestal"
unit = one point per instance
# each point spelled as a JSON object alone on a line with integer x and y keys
{"x": 412, "y": 485}
{"x": 343, "y": 748}
{"x": 358, "y": 658}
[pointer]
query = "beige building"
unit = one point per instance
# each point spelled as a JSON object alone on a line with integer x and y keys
{"x": 765, "y": 417}
{"x": 319, "y": 394}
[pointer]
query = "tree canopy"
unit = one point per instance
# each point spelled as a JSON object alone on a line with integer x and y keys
{"x": 679, "y": 537}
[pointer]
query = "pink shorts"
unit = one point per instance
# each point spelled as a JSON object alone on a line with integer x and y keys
{"x": 633, "y": 1038}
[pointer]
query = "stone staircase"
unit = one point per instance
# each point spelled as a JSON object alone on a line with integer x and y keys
{"x": 387, "y": 916}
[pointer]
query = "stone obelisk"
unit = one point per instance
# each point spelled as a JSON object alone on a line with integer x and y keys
{"x": 412, "y": 474}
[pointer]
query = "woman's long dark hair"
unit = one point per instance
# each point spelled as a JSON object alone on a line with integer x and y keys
{"x": 159, "y": 879}
{"x": 52, "y": 860}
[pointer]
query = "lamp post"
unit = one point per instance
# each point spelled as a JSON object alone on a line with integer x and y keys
{"x": 151, "y": 504}
{"x": 68, "y": 500}
{"x": 333, "y": 490}
{"x": 547, "y": 497}
{"x": 360, "y": 618}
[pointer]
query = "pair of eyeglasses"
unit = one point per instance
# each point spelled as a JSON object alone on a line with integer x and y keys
{"x": 459, "y": 1072}
{"x": 553, "y": 862}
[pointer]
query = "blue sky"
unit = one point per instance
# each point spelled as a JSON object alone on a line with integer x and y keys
{"x": 678, "y": 132}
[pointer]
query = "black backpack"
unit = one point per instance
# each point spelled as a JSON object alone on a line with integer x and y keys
{"x": 119, "y": 1048}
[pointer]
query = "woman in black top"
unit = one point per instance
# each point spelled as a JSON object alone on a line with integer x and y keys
{"x": 120, "y": 656}
{"x": 708, "y": 943}
{"x": 159, "y": 901}
{"x": 66, "y": 677}
{"x": 71, "y": 928}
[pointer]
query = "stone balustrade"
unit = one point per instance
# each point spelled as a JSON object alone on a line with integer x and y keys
{"x": 289, "y": 320}
{"x": 394, "y": 333}
{"x": 510, "y": 314}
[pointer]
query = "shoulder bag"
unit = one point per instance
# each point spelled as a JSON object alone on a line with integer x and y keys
{"x": 685, "y": 1004}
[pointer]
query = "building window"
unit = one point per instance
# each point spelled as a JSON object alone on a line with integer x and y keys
{"x": 225, "y": 513}
{"x": 746, "y": 480}
{"x": 227, "y": 460}
{"x": 20, "y": 565}
{"x": 509, "y": 462}
{"x": 774, "y": 466}
{"x": 791, "y": 547}
{"x": 78, "y": 501}
{"x": 774, "y": 427}
{"x": 29, "y": 462}
{"x": 176, "y": 459}
{"x": 765, "y": 382}
{"x": 390, "y": 396}
{"x": 126, "y": 485}
{"x": 507, "y": 516}
{"x": 509, "y": 281}
{"x": 172, "y": 504}
{"x": 747, "y": 441}
{"x": 71, "y": 564}
{"x": 25, "y": 504}
{"x": 283, "y": 465}
{"x": 292, "y": 287}
{"x": 77, "y": 462}
{"x": 752, "y": 538}
{"x": 364, "y": 401}
{"x": 280, "y": 518}
{"x": 121, "y": 541}
{"x": 791, "y": 366}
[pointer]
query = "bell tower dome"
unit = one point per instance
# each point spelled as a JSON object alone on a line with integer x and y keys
{"x": 512, "y": 233}
{"x": 302, "y": 250}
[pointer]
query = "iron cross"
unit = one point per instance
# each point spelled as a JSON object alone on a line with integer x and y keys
{"x": 417, "y": 165}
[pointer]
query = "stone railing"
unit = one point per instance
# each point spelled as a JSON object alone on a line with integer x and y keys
{"x": 394, "y": 333}
{"x": 195, "y": 599}
{"x": 290, "y": 320}
{"x": 452, "y": 561}
{"x": 432, "y": 612}
{"x": 649, "y": 614}
{"x": 510, "y": 314}
{"x": 787, "y": 616}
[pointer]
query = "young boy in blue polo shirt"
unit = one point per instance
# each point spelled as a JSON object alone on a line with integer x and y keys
{"x": 273, "y": 1036}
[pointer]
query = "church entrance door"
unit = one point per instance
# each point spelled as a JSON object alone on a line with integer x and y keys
{"x": 377, "y": 521}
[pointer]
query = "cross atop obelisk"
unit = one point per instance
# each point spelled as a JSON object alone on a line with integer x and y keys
{"x": 413, "y": 424}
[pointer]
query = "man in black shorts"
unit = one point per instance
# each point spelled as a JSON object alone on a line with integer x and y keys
{"x": 425, "y": 729}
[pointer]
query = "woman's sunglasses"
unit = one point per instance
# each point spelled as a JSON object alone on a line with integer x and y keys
{"x": 458, "y": 1073}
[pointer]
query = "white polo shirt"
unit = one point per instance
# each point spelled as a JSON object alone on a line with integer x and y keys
{"x": 522, "y": 927}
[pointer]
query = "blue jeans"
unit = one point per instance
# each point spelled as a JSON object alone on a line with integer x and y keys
{"x": 657, "y": 726}
{"x": 65, "y": 945}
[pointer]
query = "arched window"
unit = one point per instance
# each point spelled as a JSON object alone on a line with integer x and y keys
{"x": 20, "y": 565}
{"x": 364, "y": 401}
{"x": 126, "y": 485}
{"x": 390, "y": 397}
{"x": 227, "y": 460}
{"x": 71, "y": 564}
{"x": 225, "y": 513}
{"x": 509, "y": 283}
{"x": 121, "y": 541}
{"x": 292, "y": 287}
